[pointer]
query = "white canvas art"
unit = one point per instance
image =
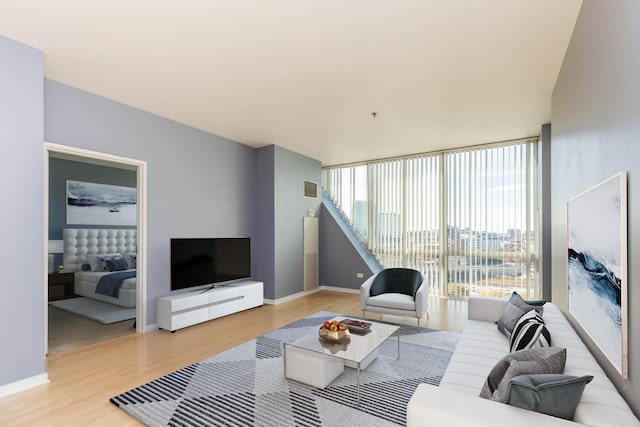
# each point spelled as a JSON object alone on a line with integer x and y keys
{"x": 100, "y": 204}
{"x": 597, "y": 266}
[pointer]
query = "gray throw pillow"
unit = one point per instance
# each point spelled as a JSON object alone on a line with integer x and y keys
{"x": 556, "y": 395}
{"x": 513, "y": 311}
{"x": 540, "y": 360}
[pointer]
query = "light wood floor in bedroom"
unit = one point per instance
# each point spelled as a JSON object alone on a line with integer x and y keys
{"x": 81, "y": 381}
{"x": 68, "y": 331}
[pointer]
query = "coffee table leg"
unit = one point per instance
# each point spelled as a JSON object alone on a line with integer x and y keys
{"x": 284, "y": 354}
{"x": 358, "y": 384}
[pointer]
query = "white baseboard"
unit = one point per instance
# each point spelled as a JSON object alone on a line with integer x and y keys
{"x": 303, "y": 293}
{"x": 288, "y": 297}
{"x": 24, "y": 384}
{"x": 337, "y": 289}
{"x": 149, "y": 328}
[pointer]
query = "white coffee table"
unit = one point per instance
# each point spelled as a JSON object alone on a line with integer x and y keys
{"x": 312, "y": 360}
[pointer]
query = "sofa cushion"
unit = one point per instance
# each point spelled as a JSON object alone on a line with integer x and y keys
{"x": 541, "y": 360}
{"x": 393, "y": 300}
{"x": 556, "y": 395}
{"x": 480, "y": 346}
{"x": 513, "y": 311}
{"x": 530, "y": 331}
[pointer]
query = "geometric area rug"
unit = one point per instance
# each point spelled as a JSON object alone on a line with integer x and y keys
{"x": 245, "y": 385}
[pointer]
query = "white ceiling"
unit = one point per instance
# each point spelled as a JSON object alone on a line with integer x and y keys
{"x": 307, "y": 74}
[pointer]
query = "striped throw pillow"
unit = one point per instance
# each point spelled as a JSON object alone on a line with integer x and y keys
{"x": 529, "y": 332}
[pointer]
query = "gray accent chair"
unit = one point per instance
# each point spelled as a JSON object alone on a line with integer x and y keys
{"x": 396, "y": 291}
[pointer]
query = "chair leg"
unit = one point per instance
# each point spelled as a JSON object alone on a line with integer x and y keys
{"x": 363, "y": 316}
{"x": 418, "y": 323}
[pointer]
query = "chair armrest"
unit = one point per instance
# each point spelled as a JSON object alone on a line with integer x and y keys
{"x": 422, "y": 298}
{"x": 437, "y": 406}
{"x": 365, "y": 291}
{"x": 486, "y": 309}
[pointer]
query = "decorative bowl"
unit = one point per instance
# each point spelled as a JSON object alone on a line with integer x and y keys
{"x": 335, "y": 336}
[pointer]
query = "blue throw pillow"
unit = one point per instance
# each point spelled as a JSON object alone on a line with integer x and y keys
{"x": 111, "y": 263}
{"x": 556, "y": 395}
{"x": 116, "y": 264}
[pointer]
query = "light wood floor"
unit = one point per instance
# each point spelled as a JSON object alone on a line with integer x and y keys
{"x": 68, "y": 331}
{"x": 82, "y": 381}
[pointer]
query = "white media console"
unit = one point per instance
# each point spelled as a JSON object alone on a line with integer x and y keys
{"x": 182, "y": 310}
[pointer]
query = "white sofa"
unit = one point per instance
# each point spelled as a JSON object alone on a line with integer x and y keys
{"x": 456, "y": 403}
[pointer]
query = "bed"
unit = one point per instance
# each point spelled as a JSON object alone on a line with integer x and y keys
{"x": 83, "y": 248}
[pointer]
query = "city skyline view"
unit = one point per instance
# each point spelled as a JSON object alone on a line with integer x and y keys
{"x": 483, "y": 199}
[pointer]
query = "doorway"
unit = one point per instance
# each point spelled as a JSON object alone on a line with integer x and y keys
{"x": 103, "y": 159}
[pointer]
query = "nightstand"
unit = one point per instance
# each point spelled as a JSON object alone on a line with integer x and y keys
{"x": 60, "y": 286}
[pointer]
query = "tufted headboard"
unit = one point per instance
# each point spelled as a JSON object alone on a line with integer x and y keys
{"x": 79, "y": 242}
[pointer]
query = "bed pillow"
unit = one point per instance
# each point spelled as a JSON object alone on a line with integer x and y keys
{"x": 556, "y": 395}
{"x": 95, "y": 261}
{"x": 513, "y": 311}
{"x": 115, "y": 263}
{"x": 540, "y": 360}
{"x": 530, "y": 331}
{"x": 131, "y": 259}
{"x": 107, "y": 262}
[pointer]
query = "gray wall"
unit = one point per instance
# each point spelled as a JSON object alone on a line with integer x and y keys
{"x": 22, "y": 267}
{"x": 544, "y": 147}
{"x": 263, "y": 263}
{"x": 290, "y": 206}
{"x": 595, "y": 134}
{"x": 281, "y": 207}
{"x": 339, "y": 259}
{"x": 198, "y": 184}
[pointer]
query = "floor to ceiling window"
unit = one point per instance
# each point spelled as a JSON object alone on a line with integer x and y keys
{"x": 467, "y": 219}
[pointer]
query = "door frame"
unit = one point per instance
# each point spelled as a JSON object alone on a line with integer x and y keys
{"x": 141, "y": 228}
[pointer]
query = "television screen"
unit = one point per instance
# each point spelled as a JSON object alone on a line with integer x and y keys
{"x": 206, "y": 261}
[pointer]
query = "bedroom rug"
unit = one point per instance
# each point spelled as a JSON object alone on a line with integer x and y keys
{"x": 99, "y": 311}
{"x": 245, "y": 385}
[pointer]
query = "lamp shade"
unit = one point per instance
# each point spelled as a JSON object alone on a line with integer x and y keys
{"x": 56, "y": 247}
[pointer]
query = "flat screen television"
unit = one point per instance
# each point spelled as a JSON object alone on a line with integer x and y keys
{"x": 209, "y": 261}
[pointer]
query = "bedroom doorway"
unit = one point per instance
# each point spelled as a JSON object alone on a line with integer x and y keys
{"x": 135, "y": 168}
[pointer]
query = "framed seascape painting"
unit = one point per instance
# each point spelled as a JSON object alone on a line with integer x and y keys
{"x": 597, "y": 266}
{"x": 89, "y": 203}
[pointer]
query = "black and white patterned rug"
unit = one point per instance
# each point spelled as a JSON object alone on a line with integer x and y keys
{"x": 245, "y": 385}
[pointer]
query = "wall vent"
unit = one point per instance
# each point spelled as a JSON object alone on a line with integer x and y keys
{"x": 310, "y": 189}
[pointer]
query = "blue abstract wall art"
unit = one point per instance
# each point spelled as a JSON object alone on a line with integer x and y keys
{"x": 90, "y": 203}
{"x": 597, "y": 266}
